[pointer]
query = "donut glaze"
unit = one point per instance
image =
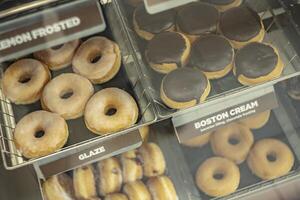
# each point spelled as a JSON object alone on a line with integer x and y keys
{"x": 256, "y": 60}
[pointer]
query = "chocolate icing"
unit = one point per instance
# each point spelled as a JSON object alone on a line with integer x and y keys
{"x": 198, "y": 18}
{"x": 219, "y": 2}
{"x": 166, "y": 47}
{"x": 184, "y": 84}
{"x": 255, "y": 60}
{"x": 211, "y": 53}
{"x": 156, "y": 23}
{"x": 240, "y": 24}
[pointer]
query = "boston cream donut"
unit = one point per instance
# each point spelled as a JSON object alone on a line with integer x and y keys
{"x": 241, "y": 25}
{"x": 270, "y": 159}
{"x": 116, "y": 196}
{"x": 110, "y": 176}
{"x": 132, "y": 168}
{"x": 213, "y": 55}
{"x": 184, "y": 88}
{"x": 24, "y": 81}
{"x": 198, "y": 141}
{"x": 58, "y": 57}
{"x": 218, "y": 177}
{"x": 256, "y": 121}
{"x": 58, "y": 187}
{"x": 162, "y": 188}
{"x": 146, "y": 25}
{"x": 223, "y": 5}
{"x": 257, "y": 63}
{"x": 196, "y": 19}
{"x": 67, "y": 95}
{"x": 168, "y": 51}
{"x": 40, "y": 133}
{"x": 153, "y": 160}
{"x": 98, "y": 59}
{"x": 233, "y": 141}
{"x": 84, "y": 182}
{"x": 137, "y": 191}
{"x": 110, "y": 110}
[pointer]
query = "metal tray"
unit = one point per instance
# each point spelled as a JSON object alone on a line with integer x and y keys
{"x": 80, "y": 137}
{"x": 280, "y": 33}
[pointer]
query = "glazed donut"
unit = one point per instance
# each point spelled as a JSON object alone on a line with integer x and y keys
{"x": 162, "y": 188}
{"x": 58, "y": 187}
{"x": 110, "y": 176}
{"x": 168, "y": 51}
{"x": 116, "y": 196}
{"x": 257, "y": 121}
{"x": 84, "y": 182}
{"x": 213, "y": 55}
{"x": 136, "y": 191}
{"x": 198, "y": 141}
{"x": 131, "y": 166}
{"x": 270, "y": 159}
{"x": 147, "y": 25}
{"x": 40, "y": 133}
{"x": 184, "y": 88}
{"x": 144, "y": 131}
{"x": 233, "y": 141}
{"x": 197, "y": 19}
{"x": 224, "y": 4}
{"x": 97, "y": 114}
{"x": 58, "y": 57}
{"x": 248, "y": 26}
{"x": 24, "y": 80}
{"x": 257, "y": 63}
{"x": 67, "y": 95}
{"x": 153, "y": 160}
{"x": 98, "y": 59}
{"x": 218, "y": 177}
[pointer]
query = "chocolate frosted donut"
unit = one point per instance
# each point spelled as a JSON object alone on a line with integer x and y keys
{"x": 213, "y": 55}
{"x": 184, "y": 87}
{"x": 197, "y": 19}
{"x": 241, "y": 25}
{"x": 223, "y": 5}
{"x": 168, "y": 51}
{"x": 146, "y": 25}
{"x": 257, "y": 63}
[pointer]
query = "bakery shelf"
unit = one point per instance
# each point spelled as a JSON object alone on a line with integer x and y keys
{"x": 128, "y": 78}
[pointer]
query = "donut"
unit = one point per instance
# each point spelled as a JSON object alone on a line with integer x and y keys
{"x": 116, "y": 196}
{"x": 162, "y": 188}
{"x": 147, "y": 25}
{"x": 257, "y": 121}
{"x": 132, "y": 168}
{"x": 270, "y": 159}
{"x": 98, "y": 59}
{"x": 67, "y": 95}
{"x": 110, "y": 176}
{"x": 24, "y": 80}
{"x": 40, "y": 133}
{"x": 293, "y": 88}
{"x": 110, "y": 110}
{"x": 256, "y": 63}
{"x": 137, "y": 191}
{"x": 84, "y": 182}
{"x": 224, "y": 5}
{"x": 197, "y": 19}
{"x": 213, "y": 55}
{"x": 233, "y": 141}
{"x": 153, "y": 160}
{"x": 58, "y": 187}
{"x": 241, "y": 25}
{"x": 184, "y": 88}
{"x": 58, "y": 57}
{"x": 168, "y": 51}
{"x": 198, "y": 141}
{"x": 218, "y": 177}
{"x": 144, "y": 132}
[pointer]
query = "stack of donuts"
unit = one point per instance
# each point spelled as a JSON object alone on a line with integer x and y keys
{"x": 233, "y": 144}
{"x": 134, "y": 175}
{"x": 203, "y": 41}
{"x": 69, "y": 95}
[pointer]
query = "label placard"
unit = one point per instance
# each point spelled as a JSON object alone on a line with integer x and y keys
{"x": 103, "y": 149}
{"x": 213, "y": 121}
{"x": 49, "y": 27}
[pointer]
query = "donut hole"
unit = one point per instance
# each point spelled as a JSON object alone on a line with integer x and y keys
{"x": 24, "y": 78}
{"x": 218, "y": 176}
{"x": 57, "y": 47}
{"x": 110, "y": 111}
{"x": 95, "y": 58}
{"x": 66, "y": 94}
{"x": 271, "y": 157}
{"x": 39, "y": 134}
{"x": 233, "y": 140}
